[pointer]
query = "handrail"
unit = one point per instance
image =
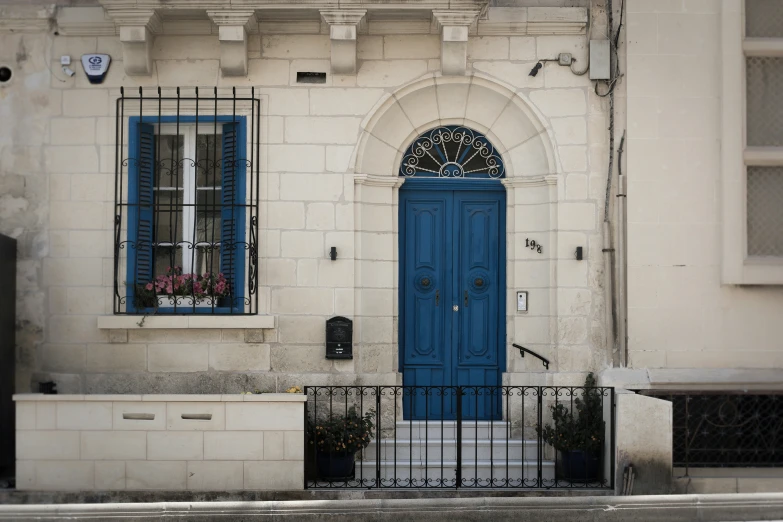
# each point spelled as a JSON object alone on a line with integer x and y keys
{"x": 522, "y": 351}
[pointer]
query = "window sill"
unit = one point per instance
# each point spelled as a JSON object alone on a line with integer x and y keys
{"x": 131, "y": 322}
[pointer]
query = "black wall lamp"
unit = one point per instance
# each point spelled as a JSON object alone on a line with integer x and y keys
{"x": 535, "y": 69}
{"x": 333, "y": 253}
{"x": 578, "y": 253}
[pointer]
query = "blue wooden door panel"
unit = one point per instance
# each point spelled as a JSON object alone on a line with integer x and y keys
{"x": 451, "y": 322}
{"x": 426, "y": 230}
{"x": 478, "y": 275}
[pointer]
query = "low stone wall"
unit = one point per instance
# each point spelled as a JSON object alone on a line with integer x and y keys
{"x": 160, "y": 442}
{"x": 644, "y": 441}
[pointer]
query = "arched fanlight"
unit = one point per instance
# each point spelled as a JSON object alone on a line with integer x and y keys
{"x": 452, "y": 152}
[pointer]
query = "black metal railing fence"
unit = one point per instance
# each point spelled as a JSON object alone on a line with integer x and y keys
{"x": 450, "y": 437}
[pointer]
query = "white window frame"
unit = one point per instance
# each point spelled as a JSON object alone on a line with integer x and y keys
{"x": 737, "y": 267}
{"x": 188, "y": 131}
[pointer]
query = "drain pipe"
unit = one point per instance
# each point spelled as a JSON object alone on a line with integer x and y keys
{"x": 611, "y": 345}
{"x": 622, "y": 303}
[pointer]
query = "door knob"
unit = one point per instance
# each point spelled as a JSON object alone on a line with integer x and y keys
{"x": 456, "y": 308}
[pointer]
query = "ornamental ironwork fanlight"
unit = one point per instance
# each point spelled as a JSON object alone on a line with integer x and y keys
{"x": 452, "y": 152}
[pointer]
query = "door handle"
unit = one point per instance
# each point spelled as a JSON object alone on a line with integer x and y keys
{"x": 466, "y": 298}
{"x": 437, "y": 297}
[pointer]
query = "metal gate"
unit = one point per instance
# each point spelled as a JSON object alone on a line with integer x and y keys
{"x": 356, "y": 437}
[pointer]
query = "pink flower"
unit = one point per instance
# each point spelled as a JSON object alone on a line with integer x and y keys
{"x": 149, "y": 286}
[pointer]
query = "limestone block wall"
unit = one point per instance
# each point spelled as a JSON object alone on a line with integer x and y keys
{"x": 159, "y": 442}
{"x": 57, "y": 180}
{"x": 680, "y": 316}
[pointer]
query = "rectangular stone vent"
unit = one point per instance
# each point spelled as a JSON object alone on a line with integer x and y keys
{"x": 310, "y": 77}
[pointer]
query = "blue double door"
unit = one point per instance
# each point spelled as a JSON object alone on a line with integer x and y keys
{"x": 452, "y": 320}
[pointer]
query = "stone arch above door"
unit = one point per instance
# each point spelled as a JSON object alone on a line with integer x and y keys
{"x": 508, "y": 121}
{"x": 524, "y": 140}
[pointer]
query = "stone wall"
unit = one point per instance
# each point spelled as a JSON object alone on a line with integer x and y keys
{"x": 160, "y": 442}
{"x": 57, "y": 175}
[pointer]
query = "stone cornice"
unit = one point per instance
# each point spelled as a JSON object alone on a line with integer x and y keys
{"x": 85, "y": 21}
{"x": 559, "y": 20}
{"x": 130, "y": 17}
{"x": 242, "y": 18}
{"x": 26, "y": 19}
{"x": 533, "y": 20}
{"x": 343, "y": 16}
{"x": 455, "y": 18}
{"x": 259, "y": 5}
{"x": 94, "y": 21}
{"x": 289, "y": 26}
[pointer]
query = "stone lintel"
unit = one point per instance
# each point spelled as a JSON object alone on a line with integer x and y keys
{"x": 137, "y": 33}
{"x": 454, "y": 26}
{"x": 343, "y": 25}
{"x": 233, "y": 28}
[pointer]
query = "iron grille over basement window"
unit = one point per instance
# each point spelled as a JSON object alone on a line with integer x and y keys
{"x": 186, "y": 203}
{"x": 725, "y": 430}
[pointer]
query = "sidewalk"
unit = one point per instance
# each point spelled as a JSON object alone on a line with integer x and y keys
{"x": 707, "y": 508}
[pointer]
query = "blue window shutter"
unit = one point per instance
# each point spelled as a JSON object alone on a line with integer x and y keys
{"x": 145, "y": 183}
{"x": 232, "y": 213}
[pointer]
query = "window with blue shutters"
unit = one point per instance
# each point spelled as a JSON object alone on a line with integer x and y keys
{"x": 187, "y": 219}
{"x": 186, "y": 201}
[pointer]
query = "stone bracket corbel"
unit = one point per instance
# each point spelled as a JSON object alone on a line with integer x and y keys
{"x": 233, "y": 28}
{"x": 138, "y": 28}
{"x": 454, "y": 27}
{"x": 343, "y": 27}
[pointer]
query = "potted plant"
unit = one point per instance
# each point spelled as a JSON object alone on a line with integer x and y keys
{"x": 578, "y": 435}
{"x": 186, "y": 290}
{"x": 336, "y": 440}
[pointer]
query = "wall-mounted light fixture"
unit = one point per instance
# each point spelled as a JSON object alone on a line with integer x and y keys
{"x": 578, "y": 253}
{"x": 333, "y": 253}
{"x": 537, "y": 67}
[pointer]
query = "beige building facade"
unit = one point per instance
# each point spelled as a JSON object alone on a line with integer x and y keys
{"x": 329, "y": 176}
{"x": 640, "y": 236}
{"x": 696, "y": 238}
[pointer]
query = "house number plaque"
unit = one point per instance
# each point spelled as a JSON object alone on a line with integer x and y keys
{"x": 533, "y": 245}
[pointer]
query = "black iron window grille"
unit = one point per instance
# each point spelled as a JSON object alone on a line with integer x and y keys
{"x": 359, "y": 437}
{"x": 725, "y": 430}
{"x": 186, "y": 202}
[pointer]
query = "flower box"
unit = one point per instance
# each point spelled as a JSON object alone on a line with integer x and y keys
{"x": 186, "y": 301}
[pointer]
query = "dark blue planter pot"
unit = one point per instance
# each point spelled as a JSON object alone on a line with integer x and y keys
{"x": 334, "y": 465}
{"x": 578, "y": 466}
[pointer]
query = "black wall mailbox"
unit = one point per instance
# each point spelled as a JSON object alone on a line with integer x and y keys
{"x": 339, "y": 338}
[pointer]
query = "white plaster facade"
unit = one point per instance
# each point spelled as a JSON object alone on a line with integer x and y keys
{"x": 330, "y": 157}
{"x": 695, "y": 300}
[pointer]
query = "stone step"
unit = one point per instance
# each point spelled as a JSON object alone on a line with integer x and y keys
{"x": 474, "y": 430}
{"x": 432, "y": 448}
{"x": 516, "y": 471}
